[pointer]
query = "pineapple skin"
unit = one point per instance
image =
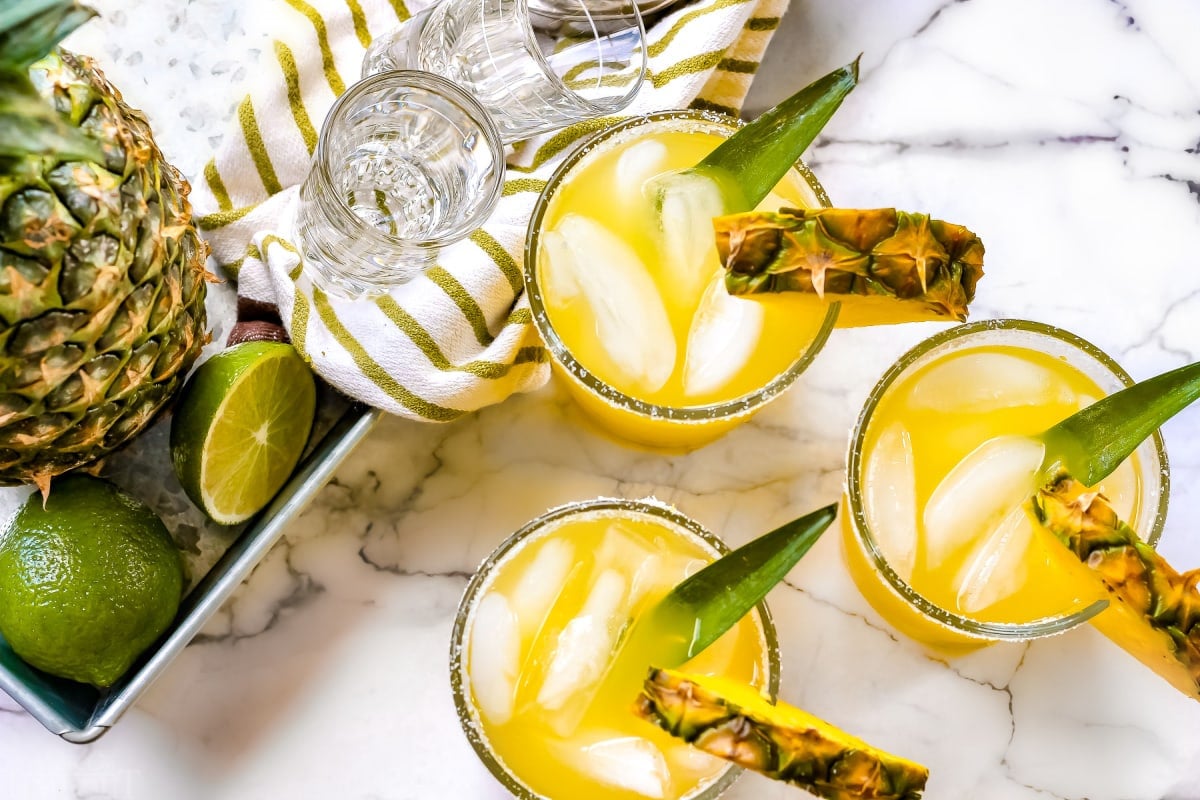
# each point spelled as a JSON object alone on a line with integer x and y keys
{"x": 778, "y": 741}
{"x": 102, "y": 284}
{"x": 884, "y": 266}
{"x": 1154, "y": 611}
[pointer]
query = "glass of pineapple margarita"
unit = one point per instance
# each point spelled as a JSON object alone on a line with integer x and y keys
{"x": 940, "y": 468}
{"x": 547, "y": 657}
{"x": 638, "y": 321}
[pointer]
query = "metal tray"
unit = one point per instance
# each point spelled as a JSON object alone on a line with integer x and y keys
{"x": 217, "y": 560}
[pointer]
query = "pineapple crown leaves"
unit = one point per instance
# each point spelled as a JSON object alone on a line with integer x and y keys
{"x": 29, "y": 29}
{"x": 747, "y": 165}
{"x": 1091, "y": 443}
{"x": 711, "y": 601}
{"x": 758, "y": 155}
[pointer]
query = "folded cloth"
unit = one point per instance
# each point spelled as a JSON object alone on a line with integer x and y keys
{"x": 461, "y": 336}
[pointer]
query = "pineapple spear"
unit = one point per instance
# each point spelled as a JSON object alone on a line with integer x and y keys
{"x": 1155, "y": 610}
{"x": 886, "y": 266}
{"x": 28, "y": 126}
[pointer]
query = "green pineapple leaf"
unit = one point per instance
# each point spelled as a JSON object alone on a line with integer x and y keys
{"x": 1091, "y": 443}
{"x": 756, "y": 157}
{"x": 744, "y": 168}
{"x": 712, "y": 601}
{"x": 29, "y": 29}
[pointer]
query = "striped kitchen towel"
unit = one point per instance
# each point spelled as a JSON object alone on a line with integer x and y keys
{"x": 461, "y": 336}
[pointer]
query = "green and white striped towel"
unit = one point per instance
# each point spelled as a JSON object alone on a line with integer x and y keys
{"x": 460, "y": 337}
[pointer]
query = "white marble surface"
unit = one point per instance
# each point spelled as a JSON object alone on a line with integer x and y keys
{"x": 1065, "y": 133}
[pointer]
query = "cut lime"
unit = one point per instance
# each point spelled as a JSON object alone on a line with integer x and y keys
{"x": 241, "y": 427}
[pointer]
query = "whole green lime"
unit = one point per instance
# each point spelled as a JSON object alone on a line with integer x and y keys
{"x": 88, "y": 582}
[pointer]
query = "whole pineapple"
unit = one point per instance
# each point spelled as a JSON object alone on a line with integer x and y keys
{"x": 102, "y": 279}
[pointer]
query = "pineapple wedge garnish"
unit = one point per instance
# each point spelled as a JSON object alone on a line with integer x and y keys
{"x": 733, "y": 721}
{"x": 884, "y": 266}
{"x": 1154, "y": 613}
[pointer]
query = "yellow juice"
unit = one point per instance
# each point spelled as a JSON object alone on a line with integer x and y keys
{"x": 553, "y": 671}
{"x": 663, "y": 331}
{"x": 948, "y": 462}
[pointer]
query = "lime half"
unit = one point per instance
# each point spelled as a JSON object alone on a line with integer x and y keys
{"x": 241, "y": 427}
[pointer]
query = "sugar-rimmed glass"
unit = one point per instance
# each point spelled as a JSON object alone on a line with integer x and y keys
{"x": 893, "y": 597}
{"x": 406, "y": 163}
{"x": 631, "y": 418}
{"x": 468, "y": 714}
{"x": 533, "y": 77}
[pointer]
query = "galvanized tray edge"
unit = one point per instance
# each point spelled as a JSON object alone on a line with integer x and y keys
{"x": 220, "y": 582}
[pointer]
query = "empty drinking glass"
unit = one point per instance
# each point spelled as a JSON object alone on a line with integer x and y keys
{"x": 406, "y": 164}
{"x": 533, "y": 73}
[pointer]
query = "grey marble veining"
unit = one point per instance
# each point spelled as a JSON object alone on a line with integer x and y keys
{"x": 1066, "y": 134}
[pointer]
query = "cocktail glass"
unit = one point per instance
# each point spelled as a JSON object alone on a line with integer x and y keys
{"x": 535, "y": 73}
{"x": 878, "y": 524}
{"x": 541, "y": 755}
{"x": 407, "y": 163}
{"x": 790, "y": 338}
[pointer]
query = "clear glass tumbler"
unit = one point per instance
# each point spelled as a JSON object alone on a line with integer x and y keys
{"x": 636, "y": 419}
{"x": 564, "y": 524}
{"x": 533, "y": 73}
{"x": 406, "y": 163}
{"x": 941, "y": 629}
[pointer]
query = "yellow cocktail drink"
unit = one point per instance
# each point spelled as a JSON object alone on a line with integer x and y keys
{"x": 628, "y": 292}
{"x": 941, "y": 540}
{"x": 547, "y": 670}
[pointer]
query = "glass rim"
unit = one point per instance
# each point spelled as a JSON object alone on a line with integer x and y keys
{"x": 531, "y": 44}
{"x": 434, "y": 84}
{"x": 598, "y": 388}
{"x": 1002, "y": 631}
{"x": 459, "y": 682}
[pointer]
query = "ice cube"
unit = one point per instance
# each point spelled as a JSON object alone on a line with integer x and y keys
{"x": 630, "y": 763}
{"x": 588, "y": 261}
{"x": 686, "y": 204}
{"x": 985, "y": 382}
{"x": 494, "y": 658}
{"x": 724, "y": 335}
{"x": 541, "y": 583}
{"x": 620, "y": 549}
{"x": 979, "y": 492}
{"x": 649, "y": 577}
{"x": 586, "y": 643}
{"x": 639, "y": 163}
{"x": 628, "y": 553}
{"x": 995, "y": 570}
{"x": 685, "y": 760}
{"x": 891, "y": 483}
